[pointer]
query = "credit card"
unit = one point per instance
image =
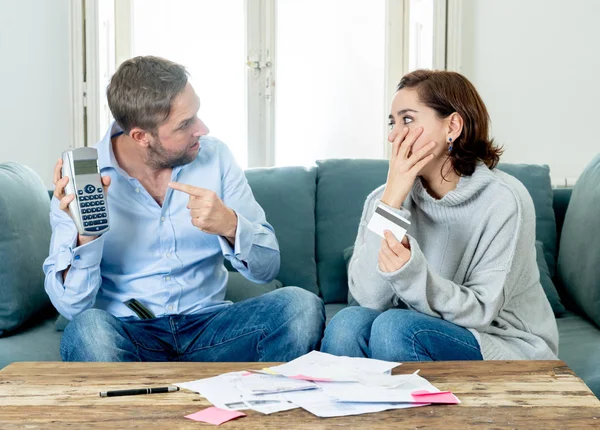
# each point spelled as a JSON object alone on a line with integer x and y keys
{"x": 385, "y": 219}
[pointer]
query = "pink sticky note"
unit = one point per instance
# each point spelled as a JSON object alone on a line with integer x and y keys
{"x": 310, "y": 378}
{"x": 215, "y": 416}
{"x": 445, "y": 397}
{"x": 247, "y": 374}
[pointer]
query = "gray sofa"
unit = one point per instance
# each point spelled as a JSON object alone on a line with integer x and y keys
{"x": 315, "y": 212}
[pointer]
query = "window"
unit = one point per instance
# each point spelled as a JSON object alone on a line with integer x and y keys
{"x": 282, "y": 82}
{"x": 208, "y": 38}
{"x": 329, "y": 100}
{"x": 421, "y": 35}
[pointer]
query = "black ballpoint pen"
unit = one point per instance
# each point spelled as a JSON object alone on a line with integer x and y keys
{"x": 138, "y": 391}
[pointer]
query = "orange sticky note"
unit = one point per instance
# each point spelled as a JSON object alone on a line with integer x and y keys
{"x": 445, "y": 397}
{"x": 215, "y": 416}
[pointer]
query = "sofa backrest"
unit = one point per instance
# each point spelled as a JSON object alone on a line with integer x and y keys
{"x": 342, "y": 187}
{"x": 561, "y": 198}
{"x": 287, "y": 195}
{"x": 316, "y": 211}
{"x": 24, "y": 240}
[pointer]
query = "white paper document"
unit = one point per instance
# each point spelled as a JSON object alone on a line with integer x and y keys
{"x": 256, "y": 383}
{"x": 224, "y": 392}
{"x": 321, "y": 365}
{"x": 320, "y": 404}
{"x": 323, "y": 384}
{"x": 361, "y": 393}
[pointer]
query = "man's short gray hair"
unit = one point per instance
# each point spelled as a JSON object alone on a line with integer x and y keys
{"x": 141, "y": 92}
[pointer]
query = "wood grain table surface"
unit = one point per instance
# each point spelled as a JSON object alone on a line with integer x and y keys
{"x": 494, "y": 394}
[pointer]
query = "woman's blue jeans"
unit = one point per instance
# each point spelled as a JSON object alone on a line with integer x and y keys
{"x": 398, "y": 335}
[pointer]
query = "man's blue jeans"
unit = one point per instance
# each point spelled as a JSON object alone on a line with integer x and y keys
{"x": 398, "y": 335}
{"x": 278, "y": 326}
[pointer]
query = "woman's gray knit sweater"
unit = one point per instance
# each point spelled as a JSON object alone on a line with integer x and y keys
{"x": 472, "y": 263}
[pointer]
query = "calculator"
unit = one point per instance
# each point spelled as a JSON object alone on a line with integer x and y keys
{"x": 89, "y": 209}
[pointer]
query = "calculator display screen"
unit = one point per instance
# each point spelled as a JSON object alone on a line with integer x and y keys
{"x": 85, "y": 167}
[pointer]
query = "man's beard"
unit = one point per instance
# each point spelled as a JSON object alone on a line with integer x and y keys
{"x": 160, "y": 158}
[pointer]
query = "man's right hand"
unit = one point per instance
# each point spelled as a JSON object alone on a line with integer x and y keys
{"x": 59, "y": 192}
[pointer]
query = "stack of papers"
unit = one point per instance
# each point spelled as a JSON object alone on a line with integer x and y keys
{"x": 323, "y": 384}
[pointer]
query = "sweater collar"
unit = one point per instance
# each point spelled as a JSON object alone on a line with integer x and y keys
{"x": 467, "y": 188}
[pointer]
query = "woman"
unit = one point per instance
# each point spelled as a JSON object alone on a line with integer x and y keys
{"x": 463, "y": 284}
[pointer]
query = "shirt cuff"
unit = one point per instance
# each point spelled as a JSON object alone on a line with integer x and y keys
{"x": 64, "y": 258}
{"x": 244, "y": 236}
{"x": 405, "y": 213}
{"x": 88, "y": 255}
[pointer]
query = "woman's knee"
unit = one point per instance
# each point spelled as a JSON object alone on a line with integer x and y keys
{"x": 350, "y": 325}
{"x": 396, "y": 322}
{"x": 392, "y": 333}
{"x": 352, "y": 319}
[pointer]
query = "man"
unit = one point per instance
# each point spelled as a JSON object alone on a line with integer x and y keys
{"x": 178, "y": 205}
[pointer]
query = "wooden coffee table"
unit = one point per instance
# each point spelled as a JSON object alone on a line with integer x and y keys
{"x": 494, "y": 394}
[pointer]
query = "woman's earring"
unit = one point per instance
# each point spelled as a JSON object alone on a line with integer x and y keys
{"x": 450, "y": 146}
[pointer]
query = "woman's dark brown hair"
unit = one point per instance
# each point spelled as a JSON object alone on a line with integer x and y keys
{"x": 449, "y": 92}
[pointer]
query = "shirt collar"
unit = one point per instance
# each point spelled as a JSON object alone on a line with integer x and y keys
{"x": 106, "y": 156}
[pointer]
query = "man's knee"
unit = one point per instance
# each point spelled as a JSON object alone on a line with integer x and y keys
{"x": 91, "y": 322}
{"x": 302, "y": 311}
{"x": 88, "y": 335}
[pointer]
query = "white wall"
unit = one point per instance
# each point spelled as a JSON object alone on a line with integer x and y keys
{"x": 536, "y": 63}
{"x": 34, "y": 83}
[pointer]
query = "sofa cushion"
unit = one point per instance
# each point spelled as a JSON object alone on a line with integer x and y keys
{"x": 561, "y": 202}
{"x": 287, "y": 195}
{"x": 331, "y": 309}
{"x": 239, "y": 288}
{"x": 24, "y": 241}
{"x": 35, "y": 341}
{"x": 343, "y": 186}
{"x": 579, "y": 256}
{"x": 347, "y": 257}
{"x": 579, "y": 347}
{"x": 536, "y": 179}
{"x": 546, "y": 281}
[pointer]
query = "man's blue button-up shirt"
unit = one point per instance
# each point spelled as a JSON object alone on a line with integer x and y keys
{"x": 154, "y": 254}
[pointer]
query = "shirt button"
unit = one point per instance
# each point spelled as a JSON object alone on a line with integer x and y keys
{"x": 170, "y": 307}
{"x": 162, "y": 218}
{"x": 137, "y": 190}
{"x": 168, "y": 255}
{"x": 167, "y": 278}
